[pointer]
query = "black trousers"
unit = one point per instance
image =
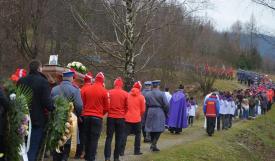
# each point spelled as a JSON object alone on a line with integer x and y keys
{"x": 230, "y": 120}
{"x": 93, "y": 127}
{"x": 132, "y": 128}
{"x": 190, "y": 120}
{"x": 114, "y": 125}
{"x": 269, "y": 106}
{"x": 263, "y": 111}
{"x": 210, "y": 127}
{"x": 219, "y": 118}
{"x": 64, "y": 155}
{"x": 225, "y": 121}
{"x": 154, "y": 138}
{"x": 146, "y": 135}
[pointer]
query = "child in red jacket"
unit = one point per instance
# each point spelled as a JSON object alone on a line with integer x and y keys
{"x": 136, "y": 108}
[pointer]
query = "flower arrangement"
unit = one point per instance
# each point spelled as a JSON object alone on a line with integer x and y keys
{"x": 17, "y": 122}
{"x": 59, "y": 126}
{"x": 79, "y": 67}
{"x": 23, "y": 129}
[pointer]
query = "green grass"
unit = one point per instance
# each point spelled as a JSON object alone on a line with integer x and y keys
{"x": 246, "y": 141}
{"x": 228, "y": 85}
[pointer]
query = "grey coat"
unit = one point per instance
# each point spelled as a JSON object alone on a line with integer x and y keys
{"x": 144, "y": 93}
{"x": 70, "y": 92}
{"x": 157, "y": 107}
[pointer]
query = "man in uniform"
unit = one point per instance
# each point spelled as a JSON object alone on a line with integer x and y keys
{"x": 157, "y": 109}
{"x": 145, "y": 91}
{"x": 72, "y": 93}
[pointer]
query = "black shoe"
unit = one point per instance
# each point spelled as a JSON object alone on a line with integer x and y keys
{"x": 121, "y": 154}
{"x": 155, "y": 149}
{"x": 138, "y": 153}
{"x": 147, "y": 141}
{"x": 116, "y": 160}
{"x": 177, "y": 133}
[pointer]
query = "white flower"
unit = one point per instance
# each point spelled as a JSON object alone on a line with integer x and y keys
{"x": 74, "y": 64}
{"x": 69, "y": 65}
{"x": 83, "y": 68}
{"x": 78, "y": 65}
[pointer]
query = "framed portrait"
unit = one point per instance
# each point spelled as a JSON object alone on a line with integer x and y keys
{"x": 53, "y": 60}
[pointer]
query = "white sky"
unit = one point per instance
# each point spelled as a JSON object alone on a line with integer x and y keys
{"x": 224, "y": 13}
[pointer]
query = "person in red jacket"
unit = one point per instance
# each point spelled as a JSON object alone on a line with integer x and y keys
{"x": 96, "y": 104}
{"x": 115, "y": 120}
{"x": 80, "y": 147}
{"x": 211, "y": 109}
{"x": 136, "y": 108}
{"x": 270, "y": 95}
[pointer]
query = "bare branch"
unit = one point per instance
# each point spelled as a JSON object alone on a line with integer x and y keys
{"x": 267, "y": 3}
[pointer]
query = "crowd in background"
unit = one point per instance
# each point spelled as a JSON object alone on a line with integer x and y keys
{"x": 221, "y": 107}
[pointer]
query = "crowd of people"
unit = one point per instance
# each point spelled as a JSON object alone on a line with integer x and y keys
{"x": 220, "y": 107}
{"x": 144, "y": 110}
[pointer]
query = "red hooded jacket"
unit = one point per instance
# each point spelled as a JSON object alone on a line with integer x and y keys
{"x": 118, "y": 103}
{"x": 136, "y": 106}
{"x": 270, "y": 95}
{"x": 95, "y": 99}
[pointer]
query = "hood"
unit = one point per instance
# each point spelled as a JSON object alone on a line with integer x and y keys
{"x": 118, "y": 82}
{"x": 177, "y": 96}
{"x": 135, "y": 92}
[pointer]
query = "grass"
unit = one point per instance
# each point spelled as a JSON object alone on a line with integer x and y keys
{"x": 247, "y": 141}
{"x": 228, "y": 85}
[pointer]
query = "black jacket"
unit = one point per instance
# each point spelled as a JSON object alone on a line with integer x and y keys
{"x": 4, "y": 104}
{"x": 41, "y": 98}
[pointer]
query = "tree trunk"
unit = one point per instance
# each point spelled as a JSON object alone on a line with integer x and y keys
{"x": 129, "y": 68}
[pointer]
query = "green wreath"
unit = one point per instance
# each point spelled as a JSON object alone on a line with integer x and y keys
{"x": 57, "y": 123}
{"x": 17, "y": 122}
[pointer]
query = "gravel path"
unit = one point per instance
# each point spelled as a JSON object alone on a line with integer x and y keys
{"x": 166, "y": 141}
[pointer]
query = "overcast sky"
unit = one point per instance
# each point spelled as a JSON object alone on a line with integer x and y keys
{"x": 224, "y": 13}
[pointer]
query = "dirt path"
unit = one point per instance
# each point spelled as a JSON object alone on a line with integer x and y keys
{"x": 166, "y": 141}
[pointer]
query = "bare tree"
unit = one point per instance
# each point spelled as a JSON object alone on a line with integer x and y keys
{"x": 133, "y": 25}
{"x": 267, "y": 3}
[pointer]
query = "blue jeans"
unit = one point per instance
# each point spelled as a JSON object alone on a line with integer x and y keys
{"x": 245, "y": 114}
{"x": 36, "y": 140}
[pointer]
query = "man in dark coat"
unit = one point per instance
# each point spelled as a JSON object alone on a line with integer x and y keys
{"x": 157, "y": 104}
{"x": 3, "y": 108}
{"x": 41, "y": 101}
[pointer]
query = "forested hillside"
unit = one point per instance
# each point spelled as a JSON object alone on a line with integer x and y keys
{"x": 166, "y": 35}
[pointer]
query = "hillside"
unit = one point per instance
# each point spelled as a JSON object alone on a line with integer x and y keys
{"x": 246, "y": 141}
{"x": 265, "y": 43}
